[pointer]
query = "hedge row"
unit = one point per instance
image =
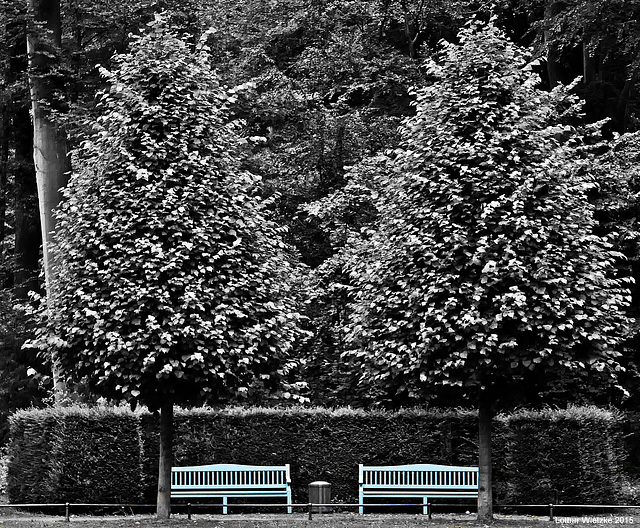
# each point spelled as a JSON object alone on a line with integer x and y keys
{"x": 75, "y": 454}
{"x": 570, "y": 457}
{"x": 110, "y": 455}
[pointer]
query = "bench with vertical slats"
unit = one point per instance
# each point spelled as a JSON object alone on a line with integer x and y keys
{"x": 417, "y": 480}
{"x": 231, "y": 480}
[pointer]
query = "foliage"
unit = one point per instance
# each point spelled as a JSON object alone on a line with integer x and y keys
{"x": 173, "y": 280}
{"x": 486, "y": 268}
{"x": 94, "y": 32}
{"x": 328, "y": 91}
{"x": 344, "y": 216}
{"x": 615, "y": 190}
{"x": 597, "y": 40}
{"x": 609, "y": 29}
{"x": 20, "y": 388}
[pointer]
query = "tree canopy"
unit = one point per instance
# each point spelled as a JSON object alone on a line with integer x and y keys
{"x": 486, "y": 264}
{"x": 173, "y": 279}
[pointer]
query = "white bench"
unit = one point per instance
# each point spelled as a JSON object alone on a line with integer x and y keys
{"x": 231, "y": 480}
{"x": 417, "y": 480}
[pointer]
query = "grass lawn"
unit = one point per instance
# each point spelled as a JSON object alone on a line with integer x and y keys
{"x": 10, "y": 519}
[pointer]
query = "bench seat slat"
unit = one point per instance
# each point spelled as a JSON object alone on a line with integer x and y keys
{"x": 231, "y": 486}
{"x": 417, "y": 480}
{"x": 231, "y": 480}
{"x": 228, "y": 493}
{"x": 419, "y": 493}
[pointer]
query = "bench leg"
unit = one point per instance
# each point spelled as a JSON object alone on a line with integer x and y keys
{"x": 361, "y": 501}
{"x": 425, "y": 507}
{"x": 289, "y": 501}
{"x": 224, "y": 508}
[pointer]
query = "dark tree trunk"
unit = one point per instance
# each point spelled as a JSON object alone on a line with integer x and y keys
{"x": 622, "y": 106}
{"x": 4, "y": 172}
{"x": 386, "y": 4}
{"x": 485, "y": 493}
{"x": 166, "y": 459}
{"x": 412, "y": 28}
{"x": 552, "y": 8}
{"x": 27, "y": 225}
{"x": 589, "y": 65}
{"x": 28, "y": 238}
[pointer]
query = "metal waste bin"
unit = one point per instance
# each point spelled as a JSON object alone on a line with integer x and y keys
{"x": 320, "y": 493}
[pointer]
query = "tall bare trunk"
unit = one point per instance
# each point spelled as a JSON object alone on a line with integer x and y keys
{"x": 49, "y": 142}
{"x": 163, "y": 508}
{"x": 485, "y": 493}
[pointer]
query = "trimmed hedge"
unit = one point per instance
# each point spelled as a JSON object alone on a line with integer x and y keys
{"x": 75, "y": 454}
{"x": 572, "y": 457}
{"x": 30, "y": 456}
{"x": 110, "y": 455}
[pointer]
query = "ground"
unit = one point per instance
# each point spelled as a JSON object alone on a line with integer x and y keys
{"x": 10, "y": 519}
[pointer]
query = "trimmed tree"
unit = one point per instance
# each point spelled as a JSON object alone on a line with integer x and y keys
{"x": 174, "y": 284}
{"x": 485, "y": 274}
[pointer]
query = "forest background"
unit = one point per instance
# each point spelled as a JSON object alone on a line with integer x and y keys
{"x": 325, "y": 85}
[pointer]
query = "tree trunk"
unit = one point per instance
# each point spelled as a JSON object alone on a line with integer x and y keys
{"x": 589, "y": 65}
{"x": 485, "y": 493}
{"x": 4, "y": 171}
{"x": 49, "y": 143}
{"x": 384, "y": 19}
{"x": 552, "y": 8}
{"x": 411, "y": 29}
{"x": 622, "y": 106}
{"x": 163, "y": 510}
{"x": 27, "y": 225}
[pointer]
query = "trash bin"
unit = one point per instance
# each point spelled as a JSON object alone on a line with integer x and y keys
{"x": 320, "y": 493}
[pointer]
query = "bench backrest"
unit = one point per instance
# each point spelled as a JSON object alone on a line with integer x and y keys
{"x": 419, "y": 476}
{"x": 218, "y": 476}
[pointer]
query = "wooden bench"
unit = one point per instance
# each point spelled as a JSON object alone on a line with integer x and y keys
{"x": 427, "y": 481}
{"x": 231, "y": 480}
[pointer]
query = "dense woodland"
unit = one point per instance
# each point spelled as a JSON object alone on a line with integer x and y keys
{"x": 320, "y": 88}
